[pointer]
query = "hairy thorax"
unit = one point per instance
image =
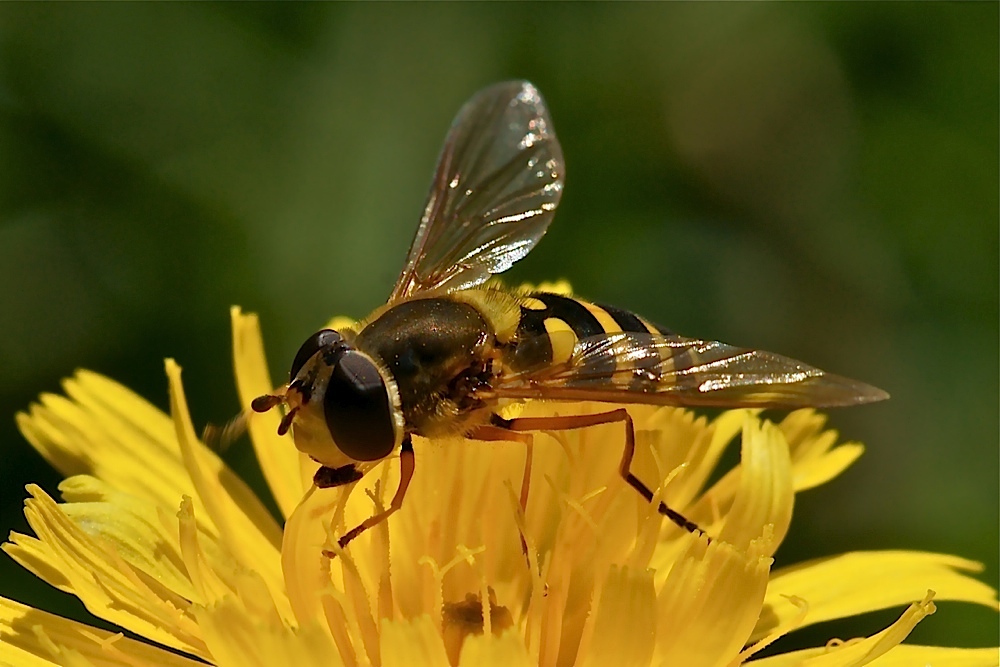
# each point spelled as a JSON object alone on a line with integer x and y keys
{"x": 441, "y": 353}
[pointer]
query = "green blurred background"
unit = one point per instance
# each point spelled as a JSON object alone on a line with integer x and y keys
{"x": 819, "y": 180}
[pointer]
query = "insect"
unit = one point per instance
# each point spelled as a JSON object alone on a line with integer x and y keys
{"x": 451, "y": 346}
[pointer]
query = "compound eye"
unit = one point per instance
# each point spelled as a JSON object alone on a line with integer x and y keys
{"x": 313, "y": 344}
{"x": 359, "y": 409}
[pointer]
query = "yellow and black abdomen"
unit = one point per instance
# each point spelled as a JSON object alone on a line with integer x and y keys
{"x": 552, "y": 324}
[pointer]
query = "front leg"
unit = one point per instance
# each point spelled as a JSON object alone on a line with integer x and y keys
{"x": 406, "y": 466}
{"x": 326, "y": 478}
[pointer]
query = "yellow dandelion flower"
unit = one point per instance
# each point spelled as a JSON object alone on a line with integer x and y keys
{"x": 156, "y": 535}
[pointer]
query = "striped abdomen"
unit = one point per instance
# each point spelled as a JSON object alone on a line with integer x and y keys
{"x": 552, "y": 324}
{"x": 566, "y": 349}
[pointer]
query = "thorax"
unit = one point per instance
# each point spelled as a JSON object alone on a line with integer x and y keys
{"x": 438, "y": 350}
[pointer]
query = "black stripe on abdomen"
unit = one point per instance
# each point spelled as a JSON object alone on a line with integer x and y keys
{"x": 647, "y": 368}
{"x": 624, "y": 319}
{"x": 572, "y": 312}
{"x": 584, "y": 324}
{"x": 629, "y": 321}
{"x": 663, "y": 331}
{"x": 535, "y": 347}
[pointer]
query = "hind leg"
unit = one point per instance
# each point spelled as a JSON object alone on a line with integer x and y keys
{"x": 521, "y": 424}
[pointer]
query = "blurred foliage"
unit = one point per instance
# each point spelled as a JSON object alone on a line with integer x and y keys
{"x": 816, "y": 179}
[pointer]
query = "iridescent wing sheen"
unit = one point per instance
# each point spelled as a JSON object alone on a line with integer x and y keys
{"x": 495, "y": 190}
{"x": 673, "y": 370}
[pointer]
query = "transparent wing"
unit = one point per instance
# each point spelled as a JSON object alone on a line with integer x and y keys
{"x": 495, "y": 190}
{"x": 672, "y": 370}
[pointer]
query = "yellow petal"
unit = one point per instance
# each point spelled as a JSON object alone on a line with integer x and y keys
{"x": 237, "y": 637}
{"x": 709, "y": 602}
{"x": 245, "y": 527}
{"x": 810, "y": 473}
{"x": 87, "y": 566}
{"x": 28, "y": 636}
{"x": 132, "y": 526}
{"x": 855, "y": 583}
{"x": 415, "y": 643}
{"x": 861, "y": 652}
{"x": 679, "y": 438}
{"x": 507, "y": 650}
{"x": 624, "y": 632}
{"x": 705, "y": 451}
{"x": 107, "y": 431}
{"x": 279, "y": 460}
{"x": 310, "y": 576}
{"x": 305, "y": 538}
{"x": 816, "y": 458}
{"x": 206, "y": 581}
{"x": 765, "y": 495}
{"x": 906, "y": 655}
{"x": 722, "y": 430}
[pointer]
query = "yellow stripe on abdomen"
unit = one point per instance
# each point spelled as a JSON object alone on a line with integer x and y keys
{"x": 603, "y": 317}
{"x": 562, "y": 338}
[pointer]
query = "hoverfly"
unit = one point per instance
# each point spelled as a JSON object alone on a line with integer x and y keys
{"x": 451, "y": 346}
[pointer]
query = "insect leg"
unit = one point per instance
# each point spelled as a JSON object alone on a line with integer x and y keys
{"x": 326, "y": 478}
{"x": 624, "y": 468}
{"x": 406, "y": 466}
{"x": 496, "y": 431}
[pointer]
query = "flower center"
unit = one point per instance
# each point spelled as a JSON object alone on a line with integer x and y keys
{"x": 461, "y": 619}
